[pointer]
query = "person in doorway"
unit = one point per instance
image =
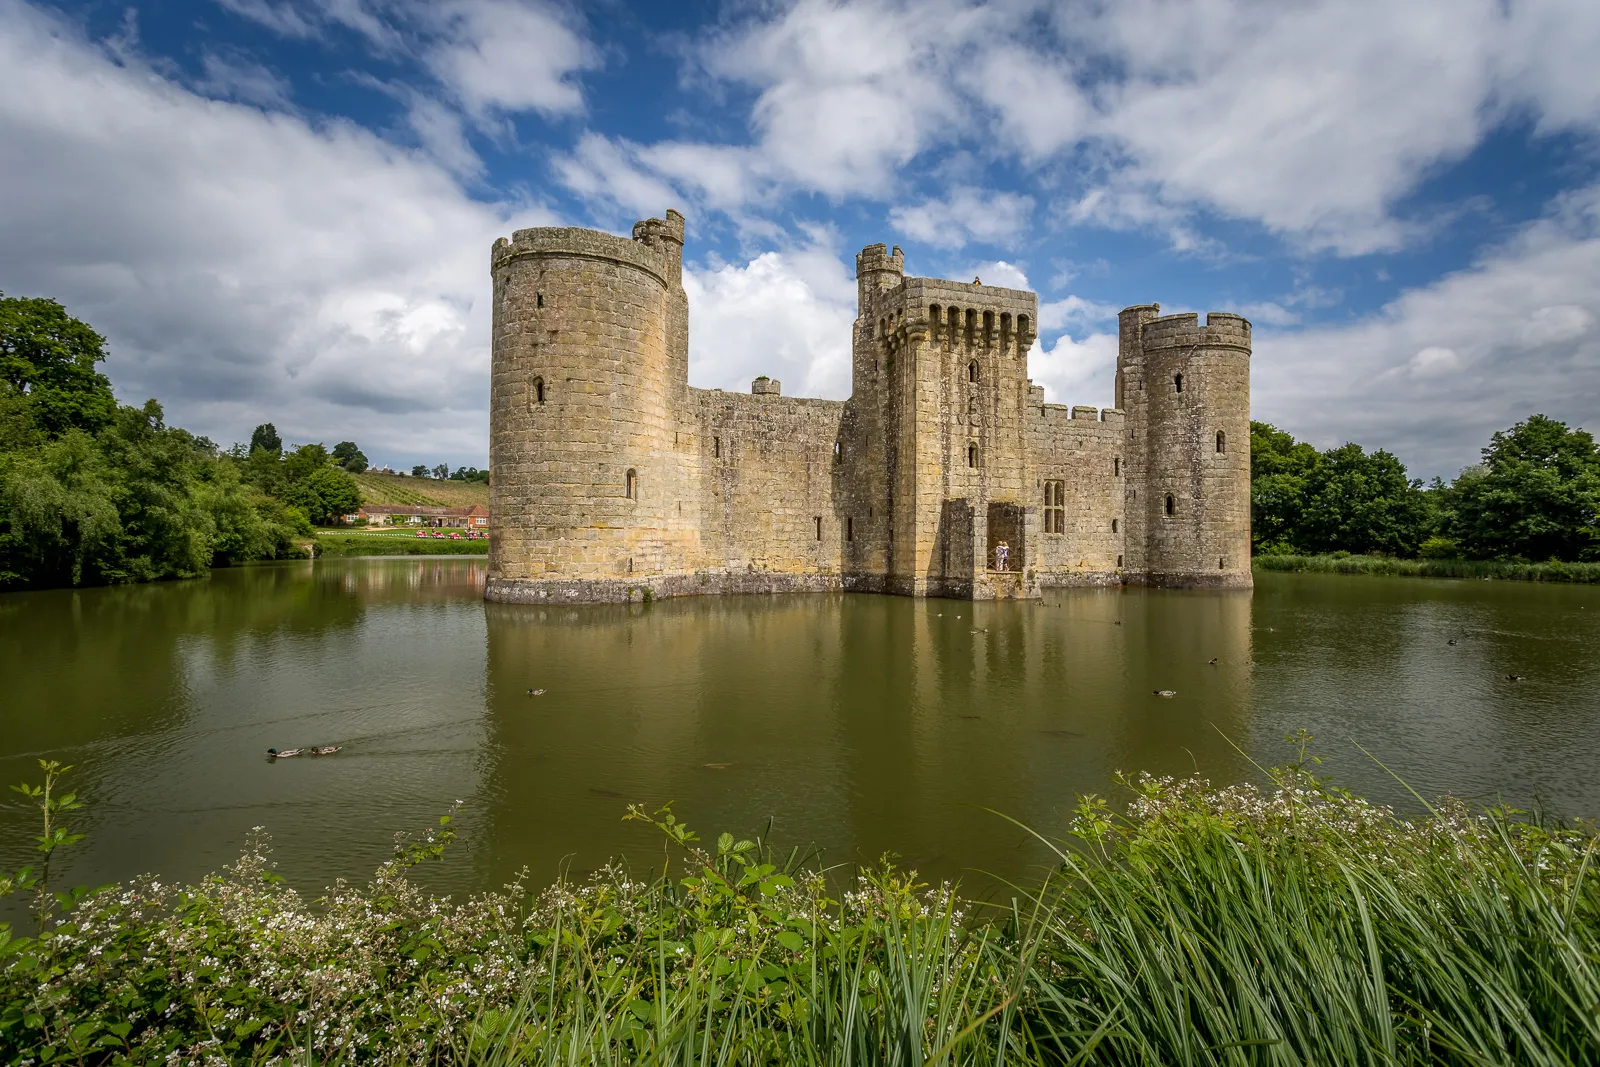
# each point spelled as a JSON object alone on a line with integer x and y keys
{"x": 1001, "y": 552}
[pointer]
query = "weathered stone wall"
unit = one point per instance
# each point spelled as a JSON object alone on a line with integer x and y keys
{"x": 768, "y": 497}
{"x": 1082, "y": 450}
{"x": 611, "y": 477}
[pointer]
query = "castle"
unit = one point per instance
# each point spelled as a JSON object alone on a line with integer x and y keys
{"x": 944, "y": 474}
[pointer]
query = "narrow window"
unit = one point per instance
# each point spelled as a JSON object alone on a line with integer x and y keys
{"x": 972, "y": 371}
{"x": 1222, "y": 441}
{"x": 538, "y": 390}
{"x": 972, "y": 455}
{"x": 933, "y": 320}
{"x": 1116, "y": 466}
{"x": 1113, "y": 525}
{"x": 849, "y": 528}
{"x": 838, "y": 452}
{"x": 1055, "y": 515}
{"x": 1220, "y": 567}
{"x": 539, "y": 300}
{"x": 1119, "y": 562}
{"x": 632, "y": 484}
{"x": 1177, "y": 381}
{"x": 819, "y": 527}
{"x": 716, "y": 448}
{"x": 1169, "y": 503}
{"x": 1022, "y": 324}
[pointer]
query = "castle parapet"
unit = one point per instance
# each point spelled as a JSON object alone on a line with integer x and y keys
{"x": 1222, "y": 330}
{"x": 655, "y": 248}
{"x": 1087, "y": 412}
{"x": 764, "y": 386}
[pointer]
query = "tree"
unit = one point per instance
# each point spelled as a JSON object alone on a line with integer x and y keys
{"x": 1279, "y": 467}
{"x": 1536, "y": 496}
{"x": 265, "y": 439}
{"x": 442, "y": 471}
{"x": 350, "y": 457}
{"x": 327, "y": 494}
{"x": 419, "y": 471}
{"x": 49, "y": 357}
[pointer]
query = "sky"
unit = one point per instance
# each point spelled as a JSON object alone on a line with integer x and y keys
{"x": 281, "y": 210}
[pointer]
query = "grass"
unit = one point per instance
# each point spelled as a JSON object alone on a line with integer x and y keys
{"x": 420, "y": 492}
{"x": 1294, "y": 924}
{"x": 1432, "y": 568}
{"x": 395, "y": 543}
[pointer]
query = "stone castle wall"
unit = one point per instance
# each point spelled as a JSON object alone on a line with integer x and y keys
{"x": 611, "y": 478}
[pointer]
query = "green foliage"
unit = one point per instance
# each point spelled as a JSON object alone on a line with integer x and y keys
{"x": 1536, "y": 496}
{"x": 350, "y": 457}
{"x": 1344, "y": 499}
{"x": 470, "y": 474}
{"x": 47, "y": 367}
{"x": 1431, "y": 567}
{"x": 1295, "y": 924}
{"x": 420, "y": 471}
{"x": 137, "y": 501}
{"x": 265, "y": 439}
{"x": 406, "y": 544}
{"x": 326, "y": 494}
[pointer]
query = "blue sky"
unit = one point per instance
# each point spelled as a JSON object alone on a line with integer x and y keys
{"x": 281, "y": 209}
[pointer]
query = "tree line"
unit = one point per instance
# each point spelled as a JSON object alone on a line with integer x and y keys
{"x": 1533, "y": 497}
{"x": 94, "y": 492}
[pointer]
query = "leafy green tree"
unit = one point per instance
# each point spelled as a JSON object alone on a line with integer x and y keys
{"x": 442, "y": 471}
{"x": 1279, "y": 468}
{"x": 350, "y": 457}
{"x": 326, "y": 494}
{"x": 1536, "y": 496}
{"x": 419, "y": 471}
{"x": 49, "y": 357}
{"x": 265, "y": 439}
{"x": 300, "y": 463}
{"x": 1363, "y": 502}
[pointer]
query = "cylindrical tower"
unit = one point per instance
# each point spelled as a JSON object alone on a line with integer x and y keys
{"x": 587, "y": 373}
{"x": 1196, "y": 409}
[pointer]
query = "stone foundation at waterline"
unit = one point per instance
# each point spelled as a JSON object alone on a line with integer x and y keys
{"x": 613, "y": 480}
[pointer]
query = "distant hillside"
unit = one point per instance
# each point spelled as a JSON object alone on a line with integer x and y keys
{"x": 398, "y": 489}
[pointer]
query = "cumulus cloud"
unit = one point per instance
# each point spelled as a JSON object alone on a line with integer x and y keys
{"x": 965, "y": 215}
{"x": 1076, "y": 371}
{"x": 1438, "y": 369}
{"x": 508, "y": 55}
{"x": 245, "y": 265}
{"x": 787, "y": 315}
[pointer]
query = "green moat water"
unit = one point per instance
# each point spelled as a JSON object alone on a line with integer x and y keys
{"x": 862, "y": 723}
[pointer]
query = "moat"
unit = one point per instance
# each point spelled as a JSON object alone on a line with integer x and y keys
{"x": 864, "y": 723}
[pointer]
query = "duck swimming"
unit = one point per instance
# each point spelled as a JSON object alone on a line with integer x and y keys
{"x": 273, "y": 753}
{"x": 325, "y": 750}
{"x": 1165, "y": 692}
{"x": 536, "y": 692}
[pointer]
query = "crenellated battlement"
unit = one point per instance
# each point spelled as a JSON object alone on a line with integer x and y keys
{"x": 1221, "y": 330}
{"x": 656, "y": 246}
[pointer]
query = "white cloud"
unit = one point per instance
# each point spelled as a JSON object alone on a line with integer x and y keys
{"x": 1072, "y": 311}
{"x": 787, "y": 315}
{"x": 245, "y": 266}
{"x": 965, "y": 215}
{"x": 1432, "y": 374}
{"x": 1076, "y": 372}
{"x": 508, "y": 55}
{"x": 998, "y": 272}
{"x": 238, "y": 77}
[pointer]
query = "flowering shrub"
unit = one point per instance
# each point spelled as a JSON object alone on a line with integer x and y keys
{"x": 1288, "y": 924}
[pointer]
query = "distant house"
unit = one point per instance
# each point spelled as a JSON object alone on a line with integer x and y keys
{"x": 475, "y": 517}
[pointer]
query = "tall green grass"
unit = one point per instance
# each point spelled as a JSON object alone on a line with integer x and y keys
{"x": 1292, "y": 924}
{"x": 1433, "y": 568}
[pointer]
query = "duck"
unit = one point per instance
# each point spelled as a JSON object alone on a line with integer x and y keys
{"x": 273, "y": 753}
{"x": 1451, "y": 641}
{"x": 1513, "y": 677}
{"x": 1166, "y": 692}
{"x": 536, "y": 692}
{"x": 1212, "y": 662}
{"x": 325, "y": 750}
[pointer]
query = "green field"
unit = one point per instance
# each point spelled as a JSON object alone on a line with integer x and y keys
{"x": 394, "y": 542}
{"x": 420, "y": 492}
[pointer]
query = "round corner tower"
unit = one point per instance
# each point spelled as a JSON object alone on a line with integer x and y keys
{"x": 588, "y": 370}
{"x": 1186, "y": 390}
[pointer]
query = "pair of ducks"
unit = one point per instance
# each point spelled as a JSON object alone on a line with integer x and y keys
{"x": 315, "y": 750}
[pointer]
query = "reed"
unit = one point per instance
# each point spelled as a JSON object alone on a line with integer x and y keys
{"x": 1554, "y": 571}
{"x": 1287, "y": 924}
